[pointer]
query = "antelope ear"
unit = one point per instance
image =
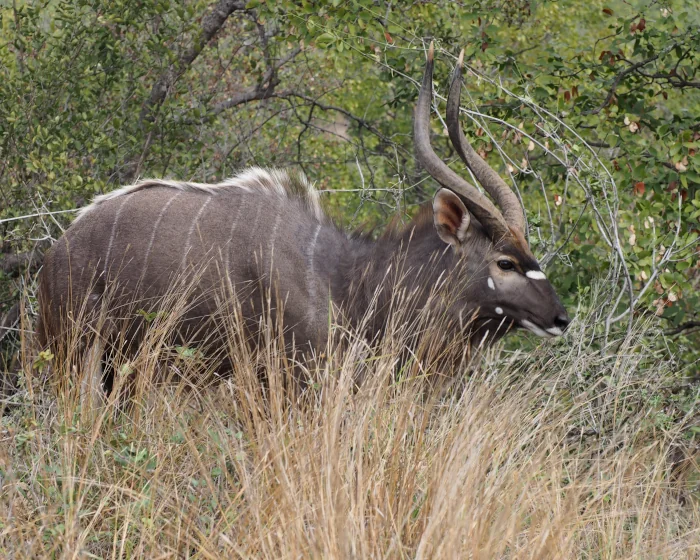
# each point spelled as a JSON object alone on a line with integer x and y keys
{"x": 451, "y": 217}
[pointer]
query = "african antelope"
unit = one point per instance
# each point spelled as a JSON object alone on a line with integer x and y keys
{"x": 266, "y": 230}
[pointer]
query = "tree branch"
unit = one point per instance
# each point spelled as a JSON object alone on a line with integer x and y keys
{"x": 211, "y": 24}
{"x": 626, "y": 72}
{"x": 683, "y": 327}
{"x": 9, "y": 320}
{"x": 264, "y": 89}
{"x": 362, "y": 123}
{"x": 673, "y": 80}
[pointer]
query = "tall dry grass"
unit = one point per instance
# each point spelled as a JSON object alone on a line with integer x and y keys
{"x": 557, "y": 453}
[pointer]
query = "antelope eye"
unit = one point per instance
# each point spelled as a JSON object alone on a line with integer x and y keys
{"x": 505, "y": 264}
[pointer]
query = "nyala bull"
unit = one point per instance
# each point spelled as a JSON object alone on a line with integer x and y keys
{"x": 265, "y": 232}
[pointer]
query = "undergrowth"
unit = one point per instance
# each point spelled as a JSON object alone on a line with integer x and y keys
{"x": 557, "y": 453}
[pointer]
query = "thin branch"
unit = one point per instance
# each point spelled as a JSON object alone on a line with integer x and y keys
{"x": 598, "y": 144}
{"x": 672, "y": 79}
{"x": 683, "y": 327}
{"x": 18, "y": 218}
{"x": 362, "y": 123}
{"x": 9, "y": 320}
{"x": 264, "y": 89}
{"x": 211, "y": 24}
{"x": 626, "y": 72}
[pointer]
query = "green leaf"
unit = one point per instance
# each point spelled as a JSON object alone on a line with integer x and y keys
{"x": 325, "y": 40}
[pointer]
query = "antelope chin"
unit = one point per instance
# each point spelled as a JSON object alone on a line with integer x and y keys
{"x": 548, "y": 333}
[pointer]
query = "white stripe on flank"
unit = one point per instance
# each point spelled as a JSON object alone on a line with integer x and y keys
{"x": 273, "y": 236}
{"x": 189, "y": 234}
{"x": 310, "y": 277}
{"x": 227, "y": 260}
{"x": 276, "y": 226}
{"x": 254, "y": 230}
{"x": 155, "y": 230}
{"x": 536, "y": 275}
{"x": 111, "y": 237}
{"x": 254, "y": 227}
{"x": 556, "y": 331}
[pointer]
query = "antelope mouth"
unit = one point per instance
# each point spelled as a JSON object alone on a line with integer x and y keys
{"x": 551, "y": 332}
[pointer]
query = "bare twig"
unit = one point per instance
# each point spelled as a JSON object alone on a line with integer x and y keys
{"x": 9, "y": 320}
{"x": 211, "y": 24}
{"x": 262, "y": 90}
{"x": 361, "y": 122}
{"x": 19, "y": 218}
{"x": 683, "y": 327}
{"x": 626, "y": 72}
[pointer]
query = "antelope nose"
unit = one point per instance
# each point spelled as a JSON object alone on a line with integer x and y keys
{"x": 562, "y": 321}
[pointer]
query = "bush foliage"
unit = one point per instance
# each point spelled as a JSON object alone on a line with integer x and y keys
{"x": 591, "y": 110}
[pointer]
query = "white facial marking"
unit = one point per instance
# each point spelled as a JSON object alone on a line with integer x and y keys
{"x": 556, "y": 331}
{"x": 536, "y": 275}
{"x": 535, "y": 329}
{"x": 490, "y": 283}
{"x": 499, "y": 311}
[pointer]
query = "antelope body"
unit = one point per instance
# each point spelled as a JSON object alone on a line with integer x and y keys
{"x": 265, "y": 230}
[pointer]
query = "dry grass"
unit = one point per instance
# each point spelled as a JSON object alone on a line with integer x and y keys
{"x": 555, "y": 454}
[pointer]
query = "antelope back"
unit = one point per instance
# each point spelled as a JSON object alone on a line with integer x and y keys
{"x": 261, "y": 231}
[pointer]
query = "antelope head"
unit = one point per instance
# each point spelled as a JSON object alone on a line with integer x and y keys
{"x": 501, "y": 281}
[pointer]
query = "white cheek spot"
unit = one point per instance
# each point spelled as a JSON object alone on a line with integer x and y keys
{"x": 499, "y": 311}
{"x": 490, "y": 283}
{"x": 536, "y": 275}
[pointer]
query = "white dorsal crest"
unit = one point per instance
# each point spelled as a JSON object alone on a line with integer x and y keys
{"x": 280, "y": 182}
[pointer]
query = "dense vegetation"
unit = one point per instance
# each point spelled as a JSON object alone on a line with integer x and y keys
{"x": 516, "y": 457}
{"x": 589, "y": 109}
